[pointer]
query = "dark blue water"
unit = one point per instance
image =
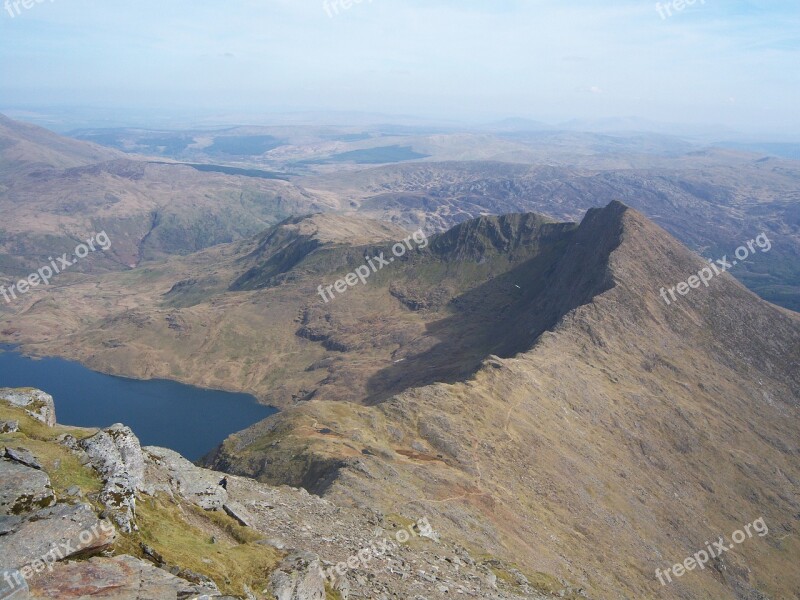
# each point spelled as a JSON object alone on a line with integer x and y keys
{"x": 186, "y": 419}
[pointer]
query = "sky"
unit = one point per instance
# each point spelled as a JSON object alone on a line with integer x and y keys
{"x": 724, "y": 62}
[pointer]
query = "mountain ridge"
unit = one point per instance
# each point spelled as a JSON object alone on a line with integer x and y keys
{"x": 652, "y": 401}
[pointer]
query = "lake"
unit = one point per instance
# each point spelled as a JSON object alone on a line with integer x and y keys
{"x": 187, "y": 419}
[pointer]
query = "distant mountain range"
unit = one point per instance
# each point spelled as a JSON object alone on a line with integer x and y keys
{"x": 712, "y": 199}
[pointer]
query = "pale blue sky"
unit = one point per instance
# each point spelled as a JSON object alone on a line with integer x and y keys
{"x": 730, "y": 62}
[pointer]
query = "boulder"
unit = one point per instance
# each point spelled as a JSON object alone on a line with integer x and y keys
{"x": 239, "y": 513}
{"x": 192, "y": 483}
{"x": 115, "y": 453}
{"x": 118, "y": 578}
{"x": 23, "y": 489}
{"x": 22, "y": 456}
{"x": 9, "y": 426}
{"x": 298, "y": 577}
{"x": 36, "y": 403}
{"x": 54, "y": 534}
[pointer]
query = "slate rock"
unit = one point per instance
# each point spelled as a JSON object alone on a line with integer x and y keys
{"x": 118, "y": 578}
{"x": 115, "y": 453}
{"x": 13, "y": 585}
{"x": 23, "y": 489}
{"x": 23, "y": 456}
{"x": 54, "y": 534}
{"x": 239, "y": 513}
{"x": 192, "y": 483}
{"x": 9, "y": 524}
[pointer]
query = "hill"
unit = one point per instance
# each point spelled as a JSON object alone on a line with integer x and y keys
{"x": 609, "y": 441}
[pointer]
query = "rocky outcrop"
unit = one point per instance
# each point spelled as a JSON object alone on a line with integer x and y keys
{"x": 9, "y": 426}
{"x": 23, "y": 488}
{"x": 61, "y": 550}
{"x": 299, "y": 577}
{"x": 115, "y": 453}
{"x": 21, "y": 456}
{"x": 120, "y": 578}
{"x": 36, "y": 403}
{"x": 54, "y": 534}
{"x": 171, "y": 472}
{"x": 238, "y": 513}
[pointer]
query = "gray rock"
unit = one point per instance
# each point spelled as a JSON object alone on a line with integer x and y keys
{"x": 118, "y": 578}
{"x": 74, "y": 491}
{"x": 239, "y": 513}
{"x": 9, "y": 426}
{"x": 54, "y": 534}
{"x": 8, "y": 524}
{"x": 115, "y": 453}
{"x": 70, "y": 441}
{"x": 276, "y": 543}
{"x": 23, "y": 456}
{"x": 36, "y": 403}
{"x": 23, "y": 489}
{"x": 298, "y": 577}
{"x": 13, "y": 585}
{"x": 192, "y": 483}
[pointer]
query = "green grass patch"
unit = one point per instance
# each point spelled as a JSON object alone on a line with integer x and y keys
{"x": 184, "y": 538}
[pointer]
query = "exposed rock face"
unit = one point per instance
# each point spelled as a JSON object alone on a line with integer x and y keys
{"x": 53, "y": 534}
{"x": 239, "y": 513}
{"x": 196, "y": 485}
{"x": 22, "y": 456}
{"x": 23, "y": 488}
{"x": 9, "y": 426}
{"x": 299, "y": 577}
{"x": 36, "y": 403}
{"x": 117, "y": 456}
{"x": 120, "y": 578}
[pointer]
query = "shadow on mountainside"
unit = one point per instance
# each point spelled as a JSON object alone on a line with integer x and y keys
{"x": 506, "y": 315}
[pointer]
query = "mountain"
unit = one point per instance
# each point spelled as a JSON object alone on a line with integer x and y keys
{"x": 613, "y": 435}
{"x": 741, "y": 195}
{"x": 521, "y": 383}
{"x": 56, "y": 192}
{"x": 27, "y": 148}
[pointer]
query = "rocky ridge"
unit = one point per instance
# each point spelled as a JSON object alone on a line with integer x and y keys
{"x": 92, "y": 520}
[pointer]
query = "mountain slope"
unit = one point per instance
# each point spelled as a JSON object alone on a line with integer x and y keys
{"x": 249, "y": 315}
{"x": 56, "y": 192}
{"x": 616, "y": 443}
{"x": 26, "y": 148}
{"x": 168, "y": 530}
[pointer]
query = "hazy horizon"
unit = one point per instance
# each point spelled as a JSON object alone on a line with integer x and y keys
{"x": 709, "y": 65}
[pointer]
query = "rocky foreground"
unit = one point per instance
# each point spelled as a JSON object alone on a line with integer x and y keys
{"x": 90, "y": 513}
